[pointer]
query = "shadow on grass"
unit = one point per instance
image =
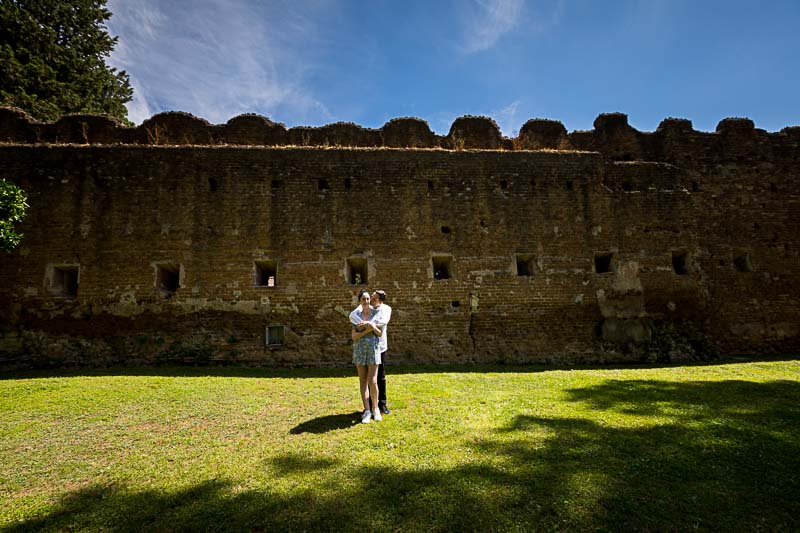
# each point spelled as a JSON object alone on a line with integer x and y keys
{"x": 706, "y": 455}
{"x": 348, "y": 370}
{"x": 294, "y": 463}
{"x": 324, "y": 424}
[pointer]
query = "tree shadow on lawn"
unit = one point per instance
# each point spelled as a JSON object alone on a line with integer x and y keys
{"x": 223, "y": 370}
{"x": 706, "y": 455}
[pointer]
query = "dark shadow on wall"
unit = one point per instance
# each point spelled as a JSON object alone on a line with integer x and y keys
{"x": 347, "y": 371}
{"x": 719, "y": 456}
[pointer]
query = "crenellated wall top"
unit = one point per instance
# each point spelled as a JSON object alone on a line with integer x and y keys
{"x": 674, "y": 139}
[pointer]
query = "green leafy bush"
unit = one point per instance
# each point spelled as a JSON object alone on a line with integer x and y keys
{"x": 12, "y": 209}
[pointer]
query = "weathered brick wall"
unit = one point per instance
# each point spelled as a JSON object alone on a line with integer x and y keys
{"x": 718, "y": 203}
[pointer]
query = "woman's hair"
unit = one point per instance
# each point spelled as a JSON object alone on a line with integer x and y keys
{"x": 361, "y": 293}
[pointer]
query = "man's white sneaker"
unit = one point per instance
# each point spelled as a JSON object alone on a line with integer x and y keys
{"x": 376, "y": 414}
{"x": 367, "y": 417}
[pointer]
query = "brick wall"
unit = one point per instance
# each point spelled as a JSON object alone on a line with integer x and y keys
{"x": 694, "y": 235}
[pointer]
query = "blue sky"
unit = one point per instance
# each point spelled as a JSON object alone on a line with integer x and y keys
{"x": 313, "y": 62}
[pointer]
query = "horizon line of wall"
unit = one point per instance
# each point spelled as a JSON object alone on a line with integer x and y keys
{"x": 612, "y": 135}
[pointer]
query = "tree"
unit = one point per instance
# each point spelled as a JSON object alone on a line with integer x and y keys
{"x": 12, "y": 209}
{"x": 52, "y": 59}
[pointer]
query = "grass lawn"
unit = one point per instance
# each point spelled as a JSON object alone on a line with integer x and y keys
{"x": 713, "y": 447}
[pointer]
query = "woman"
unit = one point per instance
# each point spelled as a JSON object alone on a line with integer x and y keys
{"x": 367, "y": 357}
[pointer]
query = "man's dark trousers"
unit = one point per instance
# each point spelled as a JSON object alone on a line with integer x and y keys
{"x": 382, "y": 382}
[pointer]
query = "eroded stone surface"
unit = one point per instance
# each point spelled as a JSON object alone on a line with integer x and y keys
{"x": 486, "y": 255}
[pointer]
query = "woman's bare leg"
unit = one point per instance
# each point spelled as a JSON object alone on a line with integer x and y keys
{"x": 372, "y": 380}
{"x": 363, "y": 385}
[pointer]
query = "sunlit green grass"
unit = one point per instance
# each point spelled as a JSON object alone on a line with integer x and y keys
{"x": 466, "y": 448}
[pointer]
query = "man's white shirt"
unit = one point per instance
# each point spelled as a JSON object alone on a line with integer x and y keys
{"x": 381, "y": 320}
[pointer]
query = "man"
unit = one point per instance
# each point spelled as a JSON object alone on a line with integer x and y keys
{"x": 381, "y": 320}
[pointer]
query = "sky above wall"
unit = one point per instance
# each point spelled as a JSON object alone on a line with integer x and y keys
{"x": 314, "y": 62}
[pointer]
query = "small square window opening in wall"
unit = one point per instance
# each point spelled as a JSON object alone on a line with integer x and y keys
{"x": 442, "y": 266}
{"x": 524, "y": 264}
{"x": 357, "y": 270}
{"x": 63, "y": 281}
{"x": 680, "y": 263}
{"x": 168, "y": 278}
{"x": 274, "y": 335}
{"x": 266, "y": 274}
{"x": 742, "y": 263}
{"x": 603, "y": 262}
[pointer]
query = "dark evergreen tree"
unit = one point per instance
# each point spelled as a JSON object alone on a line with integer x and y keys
{"x": 52, "y": 59}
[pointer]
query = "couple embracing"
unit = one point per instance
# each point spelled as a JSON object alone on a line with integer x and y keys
{"x": 369, "y": 321}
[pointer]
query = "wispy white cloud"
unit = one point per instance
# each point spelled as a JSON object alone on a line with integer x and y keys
{"x": 488, "y": 21}
{"x": 506, "y": 119}
{"x": 217, "y": 58}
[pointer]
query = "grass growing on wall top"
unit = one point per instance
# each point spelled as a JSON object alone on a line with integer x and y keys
{"x": 478, "y": 448}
